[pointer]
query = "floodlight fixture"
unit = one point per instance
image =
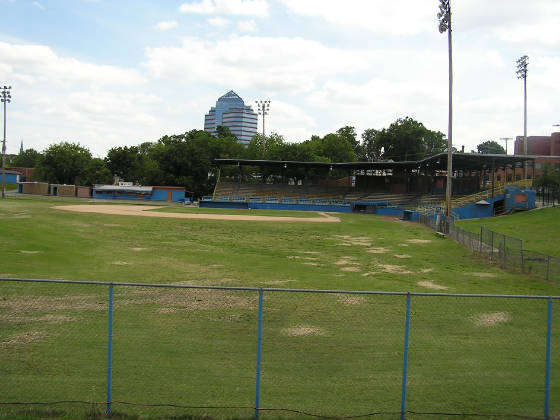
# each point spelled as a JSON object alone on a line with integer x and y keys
{"x": 521, "y": 71}
{"x": 263, "y": 108}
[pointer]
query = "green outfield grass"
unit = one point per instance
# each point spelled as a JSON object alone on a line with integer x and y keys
{"x": 328, "y": 354}
{"x": 539, "y": 229}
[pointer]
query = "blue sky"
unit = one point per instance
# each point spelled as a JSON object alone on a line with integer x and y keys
{"x": 113, "y": 73}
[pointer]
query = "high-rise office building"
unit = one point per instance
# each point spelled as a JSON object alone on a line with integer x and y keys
{"x": 230, "y": 111}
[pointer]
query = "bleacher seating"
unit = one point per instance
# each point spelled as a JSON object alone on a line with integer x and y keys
{"x": 312, "y": 194}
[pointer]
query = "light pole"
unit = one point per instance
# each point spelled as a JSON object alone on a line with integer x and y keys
{"x": 444, "y": 17}
{"x": 5, "y": 97}
{"x": 522, "y": 74}
{"x": 263, "y": 108}
{"x": 506, "y": 139}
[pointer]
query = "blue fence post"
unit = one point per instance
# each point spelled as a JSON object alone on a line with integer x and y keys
{"x": 259, "y": 347}
{"x": 405, "y": 357}
{"x": 110, "y": 351}
{"x": 547, "y": 375}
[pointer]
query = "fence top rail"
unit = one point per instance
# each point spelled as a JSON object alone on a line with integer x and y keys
{"x": 275, "y": 289}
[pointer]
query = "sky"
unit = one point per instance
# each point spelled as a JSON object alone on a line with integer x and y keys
{"x": 108, "y": 73}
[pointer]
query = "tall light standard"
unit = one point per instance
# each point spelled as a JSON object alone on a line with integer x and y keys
{"x": 263, "y": 108}
{"x": 5, "y": 97}
{"x": 506, "y": 139}
{"x": 444, "y": 16}
{"x": 522, "y": 74}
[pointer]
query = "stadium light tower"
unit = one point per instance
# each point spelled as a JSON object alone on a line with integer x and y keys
{"x": 522, "y": 74}
{"x": 263, "y": 108}
{"x": 5, "y": 97}
{"x": 444, "y": 16}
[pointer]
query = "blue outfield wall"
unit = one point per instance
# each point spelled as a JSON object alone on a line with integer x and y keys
{"x": 222, "y": 205}
{"x": 161, "y": 194}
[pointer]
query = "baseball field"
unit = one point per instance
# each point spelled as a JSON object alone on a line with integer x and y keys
{"x": 192, "y": 353}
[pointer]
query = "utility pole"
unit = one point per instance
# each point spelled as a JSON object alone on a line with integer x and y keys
{"x": 506, "y": 139}
{"x": 522, "y": 74}
{"x": 263, "y": 108}
{"x": 444, "y": 17}
{"x": 5, "y": 97}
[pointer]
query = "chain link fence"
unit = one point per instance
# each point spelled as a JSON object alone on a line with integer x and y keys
{"x": 86, "y": 349}
{"x": 501, "y": 249}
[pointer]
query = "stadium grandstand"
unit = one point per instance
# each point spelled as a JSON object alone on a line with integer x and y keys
{"x": 364, "y": 186}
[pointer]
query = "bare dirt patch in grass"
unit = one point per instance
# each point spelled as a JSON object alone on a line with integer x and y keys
{"x": 349, "y": 240}
{"x": 350, "y": 269}
{"x": 377, "y": 250}
{"x": 312, "y": 252}
{"x": 402, "y": 256}
{"x": 491, "y": 319}
{"x": 403, "y": 245}
{"x": 395, "y": 269}
{"x": 482, "y": 275}
{"x": 24, "y": 338}
{"x": 120, "y": 263}
{"x": 370, "y": 273}
{"x": 139, "y": 249}
{"x": 23, "y": 251}
{"x": 431, "y": 285}
{"x": 314, "y": 264}
{"x": 346, "y": 261}
{"x": 18, "y": 305}
{"x": 350, "y": 299}
{"x": 187, "y": 299}
{"x": 419, "y": 241}
{"x": 46, "y": 319}
{"x": 426, "y": 270}
{"x": 302, "y": 330}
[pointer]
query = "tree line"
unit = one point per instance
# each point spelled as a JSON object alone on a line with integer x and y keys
{"x": 186, "y": 160}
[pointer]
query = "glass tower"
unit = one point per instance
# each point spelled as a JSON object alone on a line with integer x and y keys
{"x": 230, "y": 111}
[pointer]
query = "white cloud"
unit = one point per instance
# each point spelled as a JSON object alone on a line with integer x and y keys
{"x": 218, "y": 22}
{"x": 290, "y": 120}
{"x": 247, "y": 26}
{"x": 515, "y": 21}
{"x": 166, "y": 25}
{"x": 395, "y": 17}
{"x": 38, "y": 5}
{"x": 39, "y": 63}
{"x": 276, "y": 64}
{"x": 257, "y": 8}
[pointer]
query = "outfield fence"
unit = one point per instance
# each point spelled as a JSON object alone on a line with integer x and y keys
{"x": 501, "y": 249}
{"x": 178, "y": 351}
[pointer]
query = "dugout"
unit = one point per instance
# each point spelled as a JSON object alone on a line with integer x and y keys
{"x": 62, "y": 190}
{"x": 38, "y": 188}
{"x": 135, "y": 192}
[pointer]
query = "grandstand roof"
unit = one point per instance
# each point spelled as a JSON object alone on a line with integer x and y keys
{"x": 461, "y": 161}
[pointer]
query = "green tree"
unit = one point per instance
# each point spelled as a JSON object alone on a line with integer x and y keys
{"x": 490, "y": 147}
{"x": 97, "y": 173}
{"x": 350, "y": 135}
{"x": 64, "y": 163}
{"x": 134, "y": 164}
{"x": 28, "y": 158}
{"x": 333, "y": 148}
{"x": 405, "y": 139}
{"x": 370, "y": 152}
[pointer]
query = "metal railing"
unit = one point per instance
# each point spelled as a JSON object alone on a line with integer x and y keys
{"x": 236, "y": 352}
{"x": 501, "y": 249}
